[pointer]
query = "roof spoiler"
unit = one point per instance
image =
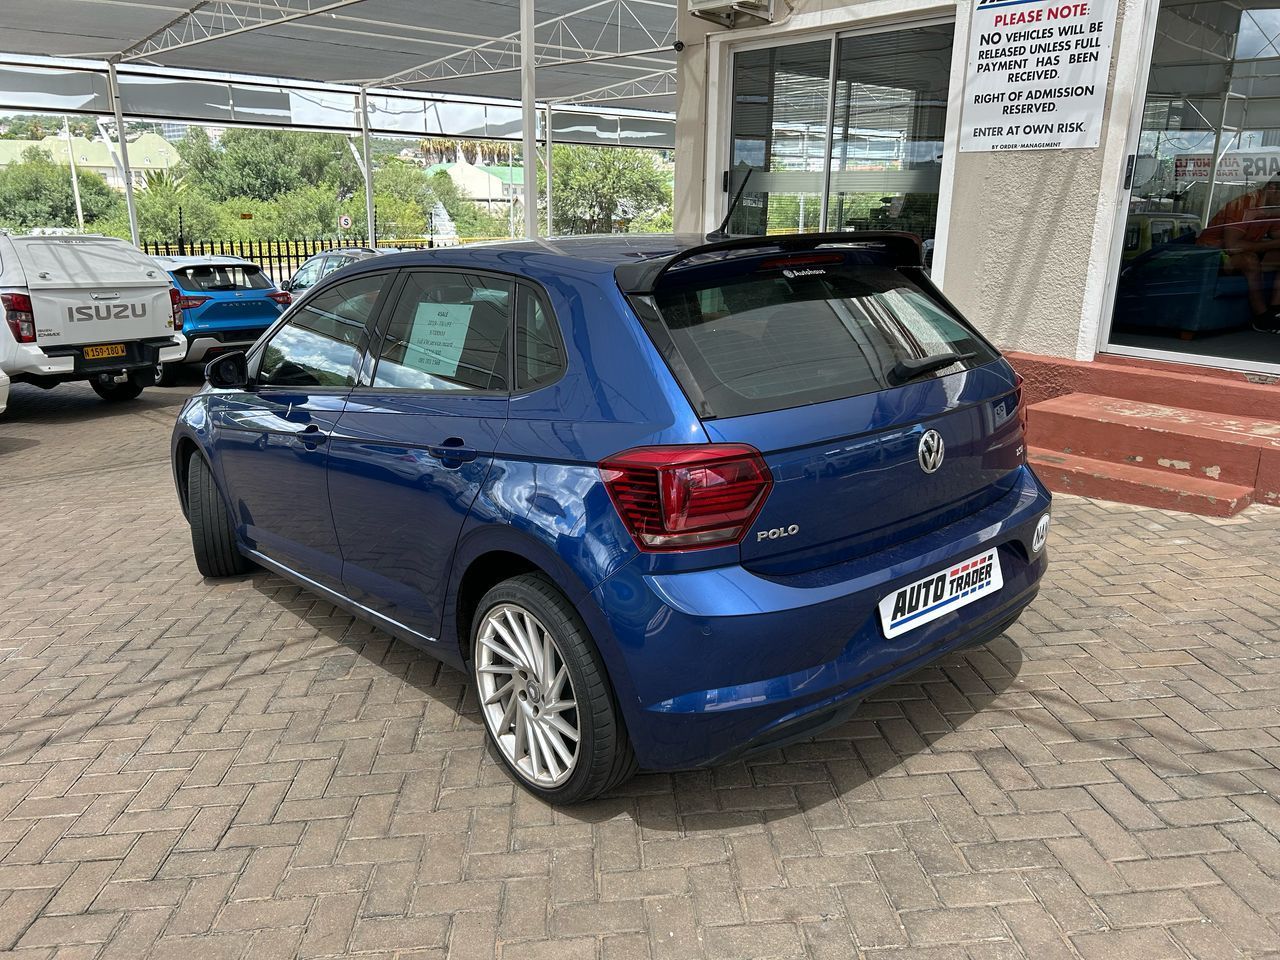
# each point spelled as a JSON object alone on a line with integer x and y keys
{"x": 642, "y": 277}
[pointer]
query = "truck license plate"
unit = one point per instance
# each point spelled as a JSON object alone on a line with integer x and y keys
{"x": 939, "y": 593}
{"x": 104, "y": 351}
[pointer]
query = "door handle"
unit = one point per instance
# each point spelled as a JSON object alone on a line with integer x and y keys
{"x": 453, "y": 450}
{"x": 311, "y": 436}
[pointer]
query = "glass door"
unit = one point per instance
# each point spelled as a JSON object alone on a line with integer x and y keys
{"x": 890, "y": 120}
{"x": 853, "y": 141}
{"x": 1199, "y": 270}
{"x": 779, "y": 134}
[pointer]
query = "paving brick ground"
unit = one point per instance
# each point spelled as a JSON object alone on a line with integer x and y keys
{"x": 208, "y": 770}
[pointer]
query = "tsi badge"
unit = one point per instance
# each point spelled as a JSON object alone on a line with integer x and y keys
{"x": 776, "y": 532}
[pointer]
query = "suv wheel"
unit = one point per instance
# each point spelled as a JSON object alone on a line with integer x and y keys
{"x": 105, "y": 386}
{"x": 547, "y": 705}
{"x": 166, "y": 374}
{"x": 212, "y": 534}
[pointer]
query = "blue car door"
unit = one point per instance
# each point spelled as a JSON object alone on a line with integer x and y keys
{"x": 272, "y": 440}
{"x": 416, "y": 440}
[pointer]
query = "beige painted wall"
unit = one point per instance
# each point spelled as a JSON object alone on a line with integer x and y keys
{"x": 1027, "y": 254}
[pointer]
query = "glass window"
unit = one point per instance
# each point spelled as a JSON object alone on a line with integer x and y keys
{"x": 319, "y": 345}
{"x": 449, "y": 331}
{"x": 887, "y": 105}
{"x": 332, "y": 264}
{"x": 307, "y": 274}
{"x": 221, "y": 277}
{"x": 779, "y": 132}
{"x": 1200, "y": 262}
{"x": 538, "y": 356}
{"x": 890, "y": 120}
{"x": 758, "y": 335}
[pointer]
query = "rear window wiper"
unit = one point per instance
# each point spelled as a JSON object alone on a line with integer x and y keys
{"x": 905, "y": 371}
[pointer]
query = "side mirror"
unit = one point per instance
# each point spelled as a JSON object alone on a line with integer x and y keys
{"x": 228, "y": 372}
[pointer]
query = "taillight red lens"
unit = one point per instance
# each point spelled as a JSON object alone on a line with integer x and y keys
{"x": 282, "y": 297}
{"x": 686, "y": 498}
{"x": 20, "y": 316}
{"x": 1022, "y": 404}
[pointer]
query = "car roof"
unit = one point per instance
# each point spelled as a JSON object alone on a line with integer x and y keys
{"x": 177, "y": 263}
{"x": 596, "y": 254}
{"x": 635, "y": 261}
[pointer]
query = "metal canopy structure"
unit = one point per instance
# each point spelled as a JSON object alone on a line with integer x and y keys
{"x": 598, "y": 71}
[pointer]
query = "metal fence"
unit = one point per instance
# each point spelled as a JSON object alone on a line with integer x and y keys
{"x": 280, "y": 259}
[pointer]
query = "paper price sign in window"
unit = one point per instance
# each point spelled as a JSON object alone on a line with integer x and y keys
{"x": 438, "y": 335}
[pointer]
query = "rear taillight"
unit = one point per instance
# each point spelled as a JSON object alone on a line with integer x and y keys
{"x": 190, "y": 303}
{"x": 685, "y": 498}
{"x": 20, "y": 316}
{"x": 282, "y": 297}
{"x": 1022, "y": 405}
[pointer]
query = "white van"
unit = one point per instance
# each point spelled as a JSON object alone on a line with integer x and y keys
{"x": 85, "y": 308}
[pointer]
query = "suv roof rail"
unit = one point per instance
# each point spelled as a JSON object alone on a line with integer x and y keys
{"x": 643, "y": 276}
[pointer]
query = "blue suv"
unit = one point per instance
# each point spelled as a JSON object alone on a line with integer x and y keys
{"x": 226, "y": 304}
{"x": 665, "y": 501}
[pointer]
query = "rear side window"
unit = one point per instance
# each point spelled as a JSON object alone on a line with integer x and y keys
{"x": 774, "y": 333}
{"x": 449, "y": 331}
{"x": 539, "y": 360}
{"x": 207, "y": 279}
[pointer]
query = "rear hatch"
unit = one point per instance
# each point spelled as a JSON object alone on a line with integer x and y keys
{"x": 94, "y": 290}
{"x": 226, "y": 296}
{"x": 814, "y": 358}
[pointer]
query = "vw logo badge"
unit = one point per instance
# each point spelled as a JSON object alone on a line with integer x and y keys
{"x": 931, "y": 451}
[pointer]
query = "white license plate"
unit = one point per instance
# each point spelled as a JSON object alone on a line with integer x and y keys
{"x": 939, "y": 593}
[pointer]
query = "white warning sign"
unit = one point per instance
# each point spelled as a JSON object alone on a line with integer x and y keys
{"x": 1037, "y": 74}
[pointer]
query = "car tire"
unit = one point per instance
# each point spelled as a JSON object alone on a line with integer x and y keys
{"x": 166, "y": 374}
{"x": 212, "y": 534}
{"x": 528, "y": 725}
{"x": 114, "y": 392}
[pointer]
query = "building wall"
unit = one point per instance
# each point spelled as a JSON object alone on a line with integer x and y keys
{"x": 1025, "y": 237}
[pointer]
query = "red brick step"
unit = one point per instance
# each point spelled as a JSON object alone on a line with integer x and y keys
{"x": 1236, "y": 450}
{"x": 1127, "y": 483}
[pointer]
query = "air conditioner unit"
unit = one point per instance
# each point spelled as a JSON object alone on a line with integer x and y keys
{"x": 733, "y": 13}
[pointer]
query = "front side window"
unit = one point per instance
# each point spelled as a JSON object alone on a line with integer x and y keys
{"x": 307, "y": 274}
{"x": 449, "y": 331}
{"x": 319, "y": 344}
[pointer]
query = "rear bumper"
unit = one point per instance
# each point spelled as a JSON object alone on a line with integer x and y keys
{"x": 31, "y": 362}
{"x": 723, "y": 662}
{"x": 204, "y": 344}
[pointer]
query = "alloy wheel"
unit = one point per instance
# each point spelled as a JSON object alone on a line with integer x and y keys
{"x": 526, "y": 695}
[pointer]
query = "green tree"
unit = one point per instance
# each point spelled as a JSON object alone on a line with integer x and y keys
{"x": 264, "y": 164}
{"x": 36, "y": 192}
{"x": 603, "y": 189}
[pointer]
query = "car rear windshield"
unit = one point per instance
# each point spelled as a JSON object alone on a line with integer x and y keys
{"x": 208, "y": 279}
{"x": 770, "y": 333}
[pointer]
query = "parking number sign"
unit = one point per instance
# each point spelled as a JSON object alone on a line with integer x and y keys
{"x": 344, "y": 222}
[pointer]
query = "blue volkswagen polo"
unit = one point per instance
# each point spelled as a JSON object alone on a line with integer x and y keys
{"x": 666, "y": 501}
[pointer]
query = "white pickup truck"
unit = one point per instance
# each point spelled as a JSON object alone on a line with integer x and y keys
{"x": 85, "y": 308}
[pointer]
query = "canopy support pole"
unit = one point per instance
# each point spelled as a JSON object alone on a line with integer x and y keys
{"x": 366, "y": 168}
{"x": 551, "y": 230}
{"x": 123, "y": 151}
{"x": 75, "y": 178}
{"x": 529, "y": 119}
